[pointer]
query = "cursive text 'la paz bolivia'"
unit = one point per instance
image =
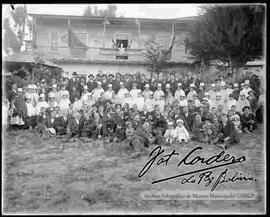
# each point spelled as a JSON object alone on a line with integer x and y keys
{"x": 158, "y": 157}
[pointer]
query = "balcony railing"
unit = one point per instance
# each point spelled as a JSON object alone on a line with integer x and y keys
{"x": 106, "y": 54}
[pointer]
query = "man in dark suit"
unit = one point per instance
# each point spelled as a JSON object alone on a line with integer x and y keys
{"x": 72, "y": 83}
{"x": 91, "y": 84}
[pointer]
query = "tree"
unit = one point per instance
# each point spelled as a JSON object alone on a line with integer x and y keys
{"x": 231, "y": 34}
{"x": 110, "y": 11}
{"x": 157, "y": 55}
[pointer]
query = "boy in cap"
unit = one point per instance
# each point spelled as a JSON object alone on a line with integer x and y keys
{"x": 247, "y": 120}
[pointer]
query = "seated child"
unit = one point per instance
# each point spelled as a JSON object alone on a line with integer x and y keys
{"x": 208, "y": 133}
{"x": 130, "y": 132}
{"x": 237, "y": 123}
{"x": 227, "y": 133}
{"x": 181, "y": 132}
{"x": 198, "y": 131}
{"x": 170, "y": 133}
{"x": 247, "y": 120}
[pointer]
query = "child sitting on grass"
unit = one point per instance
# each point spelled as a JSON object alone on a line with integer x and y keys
{"x": 181, "y": 132}
{"x": 247, "y": 120}
{"x": 170, "y": 134}
{"x": 198, "y": 131}
{"x": 208, "y": 132}
{"x": 130, "y": 132}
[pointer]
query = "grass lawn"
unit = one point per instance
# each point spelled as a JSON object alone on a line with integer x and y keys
{"x": 48, "y": 176}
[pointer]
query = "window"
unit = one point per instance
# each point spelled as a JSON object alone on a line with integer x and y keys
{"x": 82, "y": 37}
{"x": 121, "y": 38}
{"x": 54, "y": 41}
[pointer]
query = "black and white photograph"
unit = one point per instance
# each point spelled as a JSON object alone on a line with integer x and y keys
{"x": 133, "y": 109}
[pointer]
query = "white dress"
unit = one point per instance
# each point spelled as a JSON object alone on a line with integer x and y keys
{"x": 170, "y": 135}
{"x": 181, "y": 134}
{"x": 31, "y": 110}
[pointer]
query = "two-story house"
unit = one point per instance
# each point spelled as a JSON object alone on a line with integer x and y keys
{"x": 113, "y": 44}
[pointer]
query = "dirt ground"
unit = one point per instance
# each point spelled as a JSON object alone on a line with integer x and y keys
{"x": 48, "y": 176}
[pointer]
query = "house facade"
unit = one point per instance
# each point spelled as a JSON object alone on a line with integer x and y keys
{"x": 114, "y": 44}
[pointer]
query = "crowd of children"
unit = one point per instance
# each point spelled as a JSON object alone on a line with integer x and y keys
{"x": 162, "y": 109}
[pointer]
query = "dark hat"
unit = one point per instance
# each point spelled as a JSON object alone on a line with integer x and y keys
{"x": 111, "y": 75}
{"x": 74, "y": 73}
{"x": 90, "y": 76}
{"x": 245, "y": 108}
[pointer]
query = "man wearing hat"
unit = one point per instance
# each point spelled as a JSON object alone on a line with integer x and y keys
{"x": 179, "y": 92}
{"x": 91, "y": 84}
{"x": 191, "y": 92}
{"x": 73, "y": 82}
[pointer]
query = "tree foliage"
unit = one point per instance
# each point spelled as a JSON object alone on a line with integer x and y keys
{"x": 110, "y": 11}
{"x": 231, "y": 34}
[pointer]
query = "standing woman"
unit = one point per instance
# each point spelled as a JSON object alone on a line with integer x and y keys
{"x": 18, "y": 110}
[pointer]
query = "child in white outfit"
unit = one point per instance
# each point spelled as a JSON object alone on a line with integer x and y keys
{"x": 170, "y": 133}
{"x": 181, "y": 132}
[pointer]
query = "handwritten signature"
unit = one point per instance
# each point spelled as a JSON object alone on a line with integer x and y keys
{"x": 220, "y": 160}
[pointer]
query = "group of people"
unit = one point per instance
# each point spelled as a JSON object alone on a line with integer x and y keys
{"x": 160, "y": 110}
